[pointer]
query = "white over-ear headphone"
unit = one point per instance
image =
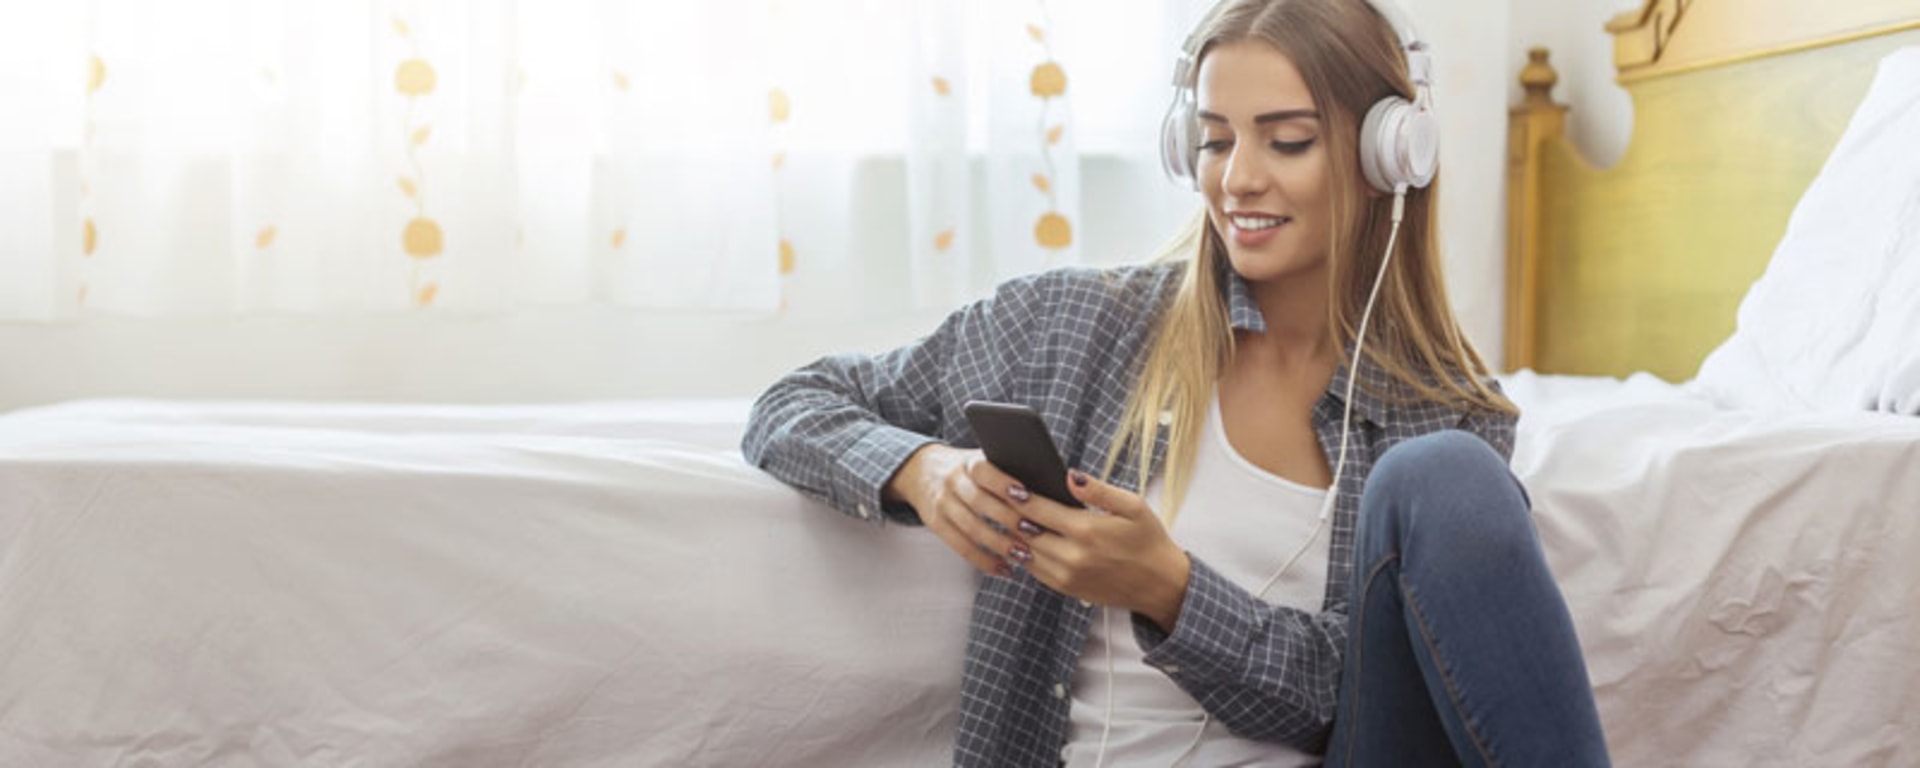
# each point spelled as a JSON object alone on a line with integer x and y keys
{"x": 1399, "y": 140}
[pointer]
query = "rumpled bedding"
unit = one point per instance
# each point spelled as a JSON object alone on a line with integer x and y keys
{"x": 1746, "y": 584}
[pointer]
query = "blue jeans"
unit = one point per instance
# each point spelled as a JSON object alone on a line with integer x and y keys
{"x": 1460, "y": 648}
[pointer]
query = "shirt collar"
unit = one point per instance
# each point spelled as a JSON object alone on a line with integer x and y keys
{"x": 1242, "y": 311}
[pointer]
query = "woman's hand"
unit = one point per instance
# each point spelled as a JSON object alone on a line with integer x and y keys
{"x": 1114, "y": 553}
{"x": 938, "y": 480}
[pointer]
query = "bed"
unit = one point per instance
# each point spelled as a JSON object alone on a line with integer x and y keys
{"x": 589, "y": 584}
{"x": 610, "y": 584}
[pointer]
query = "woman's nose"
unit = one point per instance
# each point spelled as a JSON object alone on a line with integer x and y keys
{"x": 1244, "y": 177}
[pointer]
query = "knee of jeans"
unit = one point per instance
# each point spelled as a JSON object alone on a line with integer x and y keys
{"x": 1452, "y": 475}
{"x": 1439, "y": 459}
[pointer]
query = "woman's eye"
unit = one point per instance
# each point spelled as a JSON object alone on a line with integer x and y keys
{"x": 1217, "y": 145}
{"x": 1292, "y": 147}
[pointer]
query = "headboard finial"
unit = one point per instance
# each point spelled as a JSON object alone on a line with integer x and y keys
{"x": 1538, "y": 78}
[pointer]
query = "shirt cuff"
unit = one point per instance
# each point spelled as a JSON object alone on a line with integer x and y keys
{"x": 1210, "y": 638}
{"x": 859, "y": 486}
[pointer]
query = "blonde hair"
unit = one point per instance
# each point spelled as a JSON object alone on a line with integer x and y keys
{"x": 1350, "y": 57}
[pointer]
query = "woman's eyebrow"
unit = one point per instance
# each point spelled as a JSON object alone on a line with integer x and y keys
{"x": 1270, "y": 117}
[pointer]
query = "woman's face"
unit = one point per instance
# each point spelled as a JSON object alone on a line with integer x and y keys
{"x": 1263, "y": 164}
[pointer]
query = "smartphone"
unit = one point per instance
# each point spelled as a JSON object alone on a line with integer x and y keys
{"x": 1016, "y": 441}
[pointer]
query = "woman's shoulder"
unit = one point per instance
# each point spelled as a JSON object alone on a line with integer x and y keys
{"x": 1440, "y": 399}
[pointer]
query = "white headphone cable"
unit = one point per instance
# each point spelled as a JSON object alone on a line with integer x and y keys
{"x": 1106, "y": 725}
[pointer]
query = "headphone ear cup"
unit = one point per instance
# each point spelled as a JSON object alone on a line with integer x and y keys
{"x": 1399, "y": 144}
{"x": 1379, "y": 143}
{"x": 1176, "y": 141}
{"x": 1420, "y": 138}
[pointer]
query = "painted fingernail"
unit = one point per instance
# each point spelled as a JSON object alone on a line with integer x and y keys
{"x": 1027, "y": 527}
{"x": 1021, "y": 553}
{"x": 1018, "y": 492}
{"x": 1079, "y": 478}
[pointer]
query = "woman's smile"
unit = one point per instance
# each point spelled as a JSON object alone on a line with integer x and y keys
{"x": 1252, "y": 230}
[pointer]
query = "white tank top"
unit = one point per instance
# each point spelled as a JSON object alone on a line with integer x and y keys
{"x": 1244, "y": 522}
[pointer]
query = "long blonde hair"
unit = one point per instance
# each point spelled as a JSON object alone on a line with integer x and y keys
{"x": 1350, "y": 57}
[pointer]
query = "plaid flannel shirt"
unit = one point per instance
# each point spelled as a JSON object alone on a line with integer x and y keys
{"x": 1069, "y": 343}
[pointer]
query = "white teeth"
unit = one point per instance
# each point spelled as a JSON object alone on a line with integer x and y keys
{"x": 1256, "y": 223}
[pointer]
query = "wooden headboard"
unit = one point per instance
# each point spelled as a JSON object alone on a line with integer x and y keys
{"x": 1737, "y": 103}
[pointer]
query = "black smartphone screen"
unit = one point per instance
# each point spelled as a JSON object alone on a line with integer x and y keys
{"x": 1016, "y": 441}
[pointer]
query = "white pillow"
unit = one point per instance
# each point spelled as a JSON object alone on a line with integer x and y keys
{"x": 1834, "y": 324}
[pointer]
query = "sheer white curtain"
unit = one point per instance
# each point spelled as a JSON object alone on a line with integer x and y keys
{"x": 230, "y": 156}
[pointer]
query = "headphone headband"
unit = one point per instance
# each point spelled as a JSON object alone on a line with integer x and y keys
{"x": 1402, "y": 23}
{"x": 1397, "y": 18}
{"x": 1399, "y": 140}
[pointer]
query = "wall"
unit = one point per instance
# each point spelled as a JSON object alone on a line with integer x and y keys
{"x": 588, "y": 353}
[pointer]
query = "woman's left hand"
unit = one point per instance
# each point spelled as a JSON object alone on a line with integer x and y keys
{"x": 1115, "y": 552}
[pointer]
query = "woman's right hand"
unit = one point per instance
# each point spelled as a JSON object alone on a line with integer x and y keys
{"x": 945, "y": 485}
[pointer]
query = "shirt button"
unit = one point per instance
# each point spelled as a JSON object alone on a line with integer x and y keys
{"x": 1059, "y": 690}
{"x": 1166, "y": 418}
{"x": 865, "y": 512}
{"x": 1086, "y": 604}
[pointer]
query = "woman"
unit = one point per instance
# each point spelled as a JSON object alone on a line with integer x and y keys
{"x": 1205, "y": 402}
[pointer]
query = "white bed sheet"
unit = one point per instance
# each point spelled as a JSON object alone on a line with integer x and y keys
{"x": 608, "y": 584}
{"x": 1746, "y": 585}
